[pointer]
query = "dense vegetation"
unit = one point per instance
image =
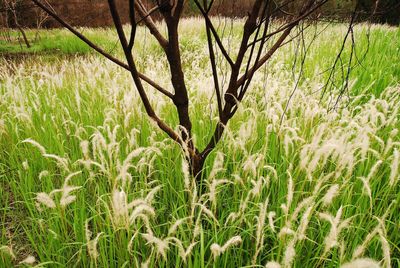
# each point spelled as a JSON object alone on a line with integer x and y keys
{"x": 86, "y": 180}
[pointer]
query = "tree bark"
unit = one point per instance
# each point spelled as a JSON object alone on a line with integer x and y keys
{"x": 196, "y": 165}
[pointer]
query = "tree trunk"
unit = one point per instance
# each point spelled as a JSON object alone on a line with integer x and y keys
{"x": 196, "y": 165}
{"x": 26, "y": 41}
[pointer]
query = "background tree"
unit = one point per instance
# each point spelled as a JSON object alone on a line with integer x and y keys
{"x": 382, "y": 11}
{"x": 11, "y": 16}
{"x": 261, "y": 38}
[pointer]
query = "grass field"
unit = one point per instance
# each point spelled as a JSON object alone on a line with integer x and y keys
{"x": 86, "y": 180}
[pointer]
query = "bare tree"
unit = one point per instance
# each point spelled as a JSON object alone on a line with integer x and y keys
{"x": 4, "y": 25}
{"x": 11, "y": 6}
{"x": 41, "y": 18}
{"x": 259, "y": 41}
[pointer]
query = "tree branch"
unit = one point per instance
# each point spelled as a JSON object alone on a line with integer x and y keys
{"x": 133, "y": 24}
{"x": 211, "y": 27}
{"x": 135, "y": 75}
{"x": 231, "y": 97}
{"x": 287, "y": 29}
{"x": 265, "y": 17}
{"x": 148, "y": 21}
{"x": 172, "y": 51}
{"x": 213, "y": 66}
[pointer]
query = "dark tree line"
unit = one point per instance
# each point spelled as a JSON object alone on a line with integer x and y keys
{"x": 386, "y": 11}
{"x": 95, "y": 13}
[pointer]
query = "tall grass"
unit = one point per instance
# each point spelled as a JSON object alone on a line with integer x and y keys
{"x": 87, "y": 181}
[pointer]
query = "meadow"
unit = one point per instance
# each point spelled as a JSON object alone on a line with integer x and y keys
{"x": 86, "y": 180}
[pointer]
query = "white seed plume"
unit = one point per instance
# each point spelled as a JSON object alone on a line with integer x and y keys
{"x": 181, "y": 250}
{"x": 289, "y": 196}
{"x": 2, "y": 127}
{"x": 286, "y": 231}
{"x": 7, "y": 250}
{"x": 217, "y": 166}
{"x": 120, "y": 208}
{"x": 271, "y": 216}
{"x": 257, "y": 186}
{"x": 146, "y": 263}
{"x": 394, "y": 168}
{"x": 140, "y": 210}
{"x": 361, "y": 263}
{"x": 213, "y": 189}
{"x": 252, "y": 163}
{"x": 45, "y": 199}
{"x": 385, "y": 248}
{"x": 85, "y": 148}
{"x": 198, "y": 228}
{"x": 186, "y": 173}
{"x": 272, "y": 264}
{"x": 61, "y": 161}
{"x": 305, "y": 203}
{"x": 217, "y": 250}
{"x": 25, "y": 165}
{"x": 66, "y": 197}
{"x": 29, "y": 260}
{"x": 359, "y": 251}
{"x": 160, "y": 245}
{"x": 150, "y": 196}
{"x": 91, "y": 243}
{"x": 124, "y": 176}
{"x": 43, "y": 173}
{"x": 189, "y": 249}
{"x": 330, "y": 195}
{"x": 273, "y": 170}
{"x": 237, "y": 179}
{"x": 374, "y": 169}
{"x": 172, "y": 230}
{"x": 305, "y": 219}
{"x": 146, "y": 222}
{"x": 367, "y": 189}
{"x": 208, "y": 212}
{"x": 364, "y": 145}
{"x": 289, "y": 254}
{"x": 260, "y": 229}
{"x": 36, "y": 144}
{"x": 331, "y": 240}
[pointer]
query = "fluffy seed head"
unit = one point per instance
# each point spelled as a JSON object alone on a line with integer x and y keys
{"x": 160, "y": 245}
{"x": 35, "y": 144}
{"x": 330, "y": 195}
{"x": 289, "y": 254}
{"x": 45, "y": 199}
{"x": 361, "y": 263}
{"x": 272, "y": 264}
{"x": 29, "y": 260}
{"x": 394, "y": 168}
{"x": 8, "y": 250}
{"x": 217, "y": 250}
